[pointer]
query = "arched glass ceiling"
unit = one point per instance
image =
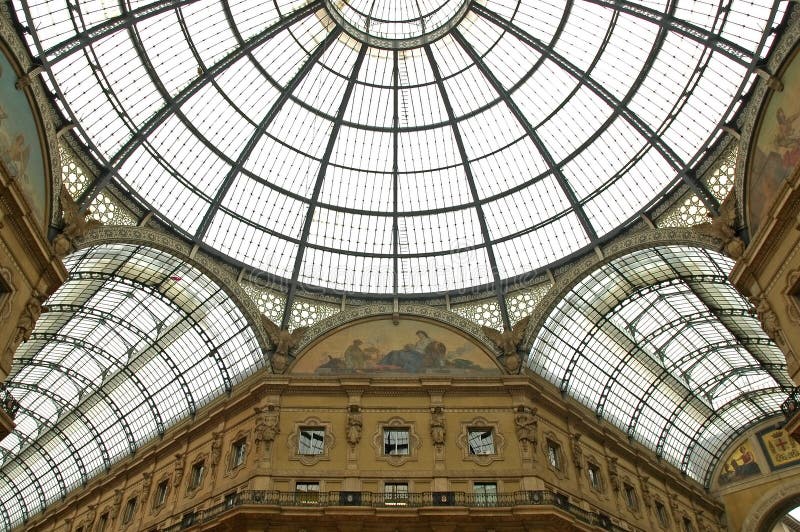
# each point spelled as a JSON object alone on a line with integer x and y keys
{"x": 530, "y": 131}
{"x": 660, "y": 344}
{"x": 134, "y": 341}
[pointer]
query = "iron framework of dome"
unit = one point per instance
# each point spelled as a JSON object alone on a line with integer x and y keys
{"x": 399, "y": 148}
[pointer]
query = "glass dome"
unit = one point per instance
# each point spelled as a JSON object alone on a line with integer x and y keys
{"x": 399, "y": 147}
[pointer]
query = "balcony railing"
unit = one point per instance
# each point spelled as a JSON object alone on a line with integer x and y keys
{"x": 380, "y": 500}
{"x": 791, "y": 405}
{"x": 9, "y": 404}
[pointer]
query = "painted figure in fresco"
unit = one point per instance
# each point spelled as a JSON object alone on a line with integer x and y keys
{"x": 741, "y": 464}
{"x": 425, "y": 352}
{"x": 354, "y": 356}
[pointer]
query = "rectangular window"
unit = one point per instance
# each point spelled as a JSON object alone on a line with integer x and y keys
{"x": 395, "y": 442}
{"x": 198, "y": 468}
{"x": 593, "y": 471}
{"x": 102, "y": 523}
{"x": 687, "y": 525}
{"x": 311, "y": 441}
{"x": 554, "y": 454}
{"x": 395, "y": 494}
{"x": 307, "y": 492}
{"x": 481, "y": 441}
{"x": 485, "y": 493}
{"x": 661, "y": 513}
{"x": 630, "y": 497}
{"x": 130, "y": 508}
{"x": 238, "y": 452}
{"x": 161, "y": 493}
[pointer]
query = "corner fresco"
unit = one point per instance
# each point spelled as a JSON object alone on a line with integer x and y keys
{"x": 379, "y": 346}
{"x": 19, "y": 140}
{"x": 739, "y": 465}
{"x": 776, "y": 152}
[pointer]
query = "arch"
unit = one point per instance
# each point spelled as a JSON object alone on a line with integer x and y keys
{"x": 618, "y": 248}
{"x": 222, "y": 275}
{"x": 179, "y": 341}
{"x": 772, "y": 504}
{"x": 652, "y": 327}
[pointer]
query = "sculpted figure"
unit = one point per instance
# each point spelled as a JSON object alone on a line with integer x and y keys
{"x": 75, "y": 224}
{"x": 354, "y": 425}
{"x": 283, "y": 341}
{"x": 723, "y": 227}
{"x": 508, "y": 341}
{"x": 266, "y": 427}
{"x": 526, "y": 425}
{"x": 437, "y": 426}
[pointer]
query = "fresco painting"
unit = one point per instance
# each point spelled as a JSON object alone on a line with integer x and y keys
{"x": 776, "y": 150}
{"x": 380, "y": 346}
{"x": 739, "y": 465}
{"x": 780, "y": 449}
{"x": 19, "y": 140}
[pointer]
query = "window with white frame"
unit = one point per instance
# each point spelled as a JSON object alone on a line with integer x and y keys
{"x": 395, "y": 493}
{"x": 481, "y": 441}
{"x": 395, "y": 441}
{"x": 311, "y": 441}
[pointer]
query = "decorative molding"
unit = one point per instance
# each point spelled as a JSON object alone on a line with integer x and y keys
{"x": 232, "y": 471}
{"x": 764, "y": 508}
{"x": 791, "y": 295}
{"x": 413, "y": 442}
{"x": 192, "y": 491}
{"x": 328, "y": 441}
{"x": 497, "y": 438}
{"x": 559, "y": 472}
{"x": 7, "y": 292}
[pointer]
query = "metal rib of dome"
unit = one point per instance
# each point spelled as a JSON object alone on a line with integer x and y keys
{"x": 660, "y": 344}
{"x": 527, "y": 133}
{"x": 135, "y": 341}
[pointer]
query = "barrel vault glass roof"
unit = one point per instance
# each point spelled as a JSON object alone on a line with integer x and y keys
{"x": 398, "y": 147}
{"x": 660, "y": 344}
{"x": 390, "y": 148}
{"x": 135, "y": 341}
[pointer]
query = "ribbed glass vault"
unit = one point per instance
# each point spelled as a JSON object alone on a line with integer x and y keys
{"x": 399, "y": 147}
{"x": 133, "y": 342}
{"x": 660, "y": 344}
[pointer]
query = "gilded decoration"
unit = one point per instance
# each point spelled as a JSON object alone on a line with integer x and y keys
{"x": 378, "y": 346}
{"x": 311, "y": 455}
{"x": 474, "y": 455}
